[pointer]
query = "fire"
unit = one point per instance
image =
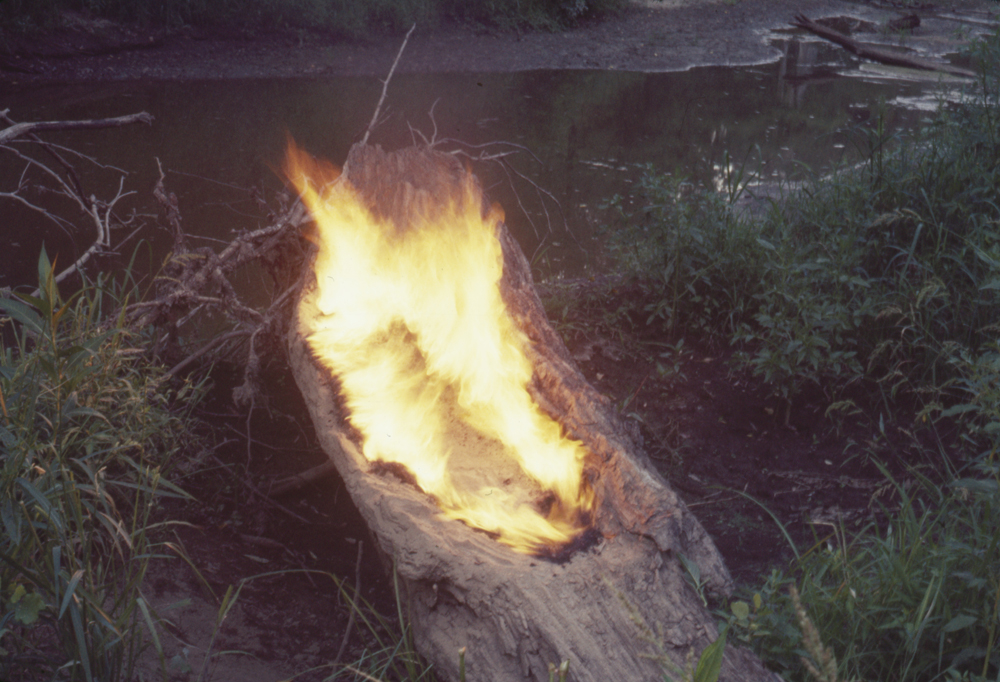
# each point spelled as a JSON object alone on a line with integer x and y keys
{"x": 431, "y": 364}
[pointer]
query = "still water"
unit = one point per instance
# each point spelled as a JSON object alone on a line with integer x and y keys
{"x": 582, "y": 136}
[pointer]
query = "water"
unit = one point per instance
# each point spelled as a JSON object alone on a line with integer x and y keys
{"x": 589, "y": 134}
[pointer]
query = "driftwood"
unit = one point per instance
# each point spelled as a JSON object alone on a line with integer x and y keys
{"x": 876, "y": 53}
{"x": 606, "y": 609}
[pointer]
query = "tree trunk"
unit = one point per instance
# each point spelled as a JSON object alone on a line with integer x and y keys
{"x": 606, "y": 607}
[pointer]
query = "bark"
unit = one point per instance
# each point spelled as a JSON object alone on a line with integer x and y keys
{"x": 516, "y": 613}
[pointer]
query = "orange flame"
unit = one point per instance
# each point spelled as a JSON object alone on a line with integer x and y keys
{"x": 432, "y": 366}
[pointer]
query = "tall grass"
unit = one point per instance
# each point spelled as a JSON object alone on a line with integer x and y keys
{"x": 877, "y": 283}
{"x": 912, "y": 599}
{"x": 884, "y": 275}
{"x": 87, "y": 432}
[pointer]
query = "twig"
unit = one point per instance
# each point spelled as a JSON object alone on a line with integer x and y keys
{"x": 354, "y": 604}
{"x": 103, "y": 229}
{"x": 217, "y": 341}
{"x": 385, "y": 88}
{"x": 299, "y": 481}
{"x": 50, "y": 149}
{"x": 267, "y": 500}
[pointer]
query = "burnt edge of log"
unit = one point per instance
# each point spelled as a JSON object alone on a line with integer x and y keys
{"x": 513, "y": 612}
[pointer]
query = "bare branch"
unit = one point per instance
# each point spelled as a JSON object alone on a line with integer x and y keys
{"x": 22, "y": 129}
{"x": 299, "y": 481}
{"x": 385, "y": 88}
{"x": 102, "y": 239}
{"x": 211, "y": 345}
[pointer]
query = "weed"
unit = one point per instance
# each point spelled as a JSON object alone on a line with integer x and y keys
{"x": 913, "y": 600}
{"x": 881, "y": 278}
{"x": 87, "y": 436}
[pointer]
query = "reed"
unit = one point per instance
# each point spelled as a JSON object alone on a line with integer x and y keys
{"x": 87, "y": 436}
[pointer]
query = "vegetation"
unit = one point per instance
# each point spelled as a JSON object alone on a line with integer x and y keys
{"x": 913, "y": 598}
{"x": 87, "y": 438}
{"x": 884, "y": 275}
{"x": 878, "y": 287}
{"x": 343, "y": 17}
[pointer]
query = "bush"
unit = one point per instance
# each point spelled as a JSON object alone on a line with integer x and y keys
{"x": 885, "y": 274}
{"x": 87, "y": 436}
{"x": 913, "y": 601}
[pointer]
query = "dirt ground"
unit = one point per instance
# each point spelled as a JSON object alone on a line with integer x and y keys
{"x": 651, "y": 35}
{"x": 716, "y": 434}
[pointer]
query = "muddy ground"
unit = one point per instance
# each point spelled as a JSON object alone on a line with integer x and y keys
{"x": 715, "y": 433}
{"x": 651, "y": 35}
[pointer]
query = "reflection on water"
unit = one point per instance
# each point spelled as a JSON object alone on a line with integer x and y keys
{"x": 589, "y": 133}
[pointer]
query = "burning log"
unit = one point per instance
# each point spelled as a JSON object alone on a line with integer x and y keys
{"x": 529, "y": 528}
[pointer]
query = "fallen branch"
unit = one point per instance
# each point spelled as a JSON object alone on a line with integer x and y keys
{"x": 22, "y": 129}
{"x": 878, "y": 54}
{"x": 99, "y": 213}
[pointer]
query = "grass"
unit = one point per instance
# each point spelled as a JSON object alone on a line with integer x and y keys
{"x": 87, "y": 436}
{"x": 880, "y": 282}
{"x": 341, "y": 17}
{"x": 914, "y": 597}
{"x": 878, "y": 287}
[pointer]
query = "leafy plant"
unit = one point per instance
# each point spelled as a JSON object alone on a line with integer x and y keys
{"x": 913, "y": 600}
{"x": 882, "y": 278}
{"x": 87, "y": 435}
{"x": 691, "y": 250}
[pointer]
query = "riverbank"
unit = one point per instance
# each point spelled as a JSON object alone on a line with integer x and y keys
{"x": 649, "y": 36}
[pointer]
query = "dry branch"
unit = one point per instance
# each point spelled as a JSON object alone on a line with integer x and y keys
{"x": 299, "y": 481}
{"x": 23, "y": 129}
{"x": 385, "y": 87}
{"x": 876, "y": 53}
{"x": 100, "y": 214}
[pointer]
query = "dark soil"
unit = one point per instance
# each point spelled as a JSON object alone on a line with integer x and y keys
{"x": 650, "y": 35}
{"x": 727, "y": 442}
{"x": 718, "y": 435}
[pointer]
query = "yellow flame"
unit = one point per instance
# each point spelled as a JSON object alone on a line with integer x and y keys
{"x": 431, "y": 365}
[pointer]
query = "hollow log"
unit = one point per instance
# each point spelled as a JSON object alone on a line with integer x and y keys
{"x": 608, "y": 608}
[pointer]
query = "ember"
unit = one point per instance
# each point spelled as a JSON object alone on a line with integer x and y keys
{"x": 431, "y": 365}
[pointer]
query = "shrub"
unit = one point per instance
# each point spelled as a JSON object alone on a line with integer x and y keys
{"x": 87, "y": 435}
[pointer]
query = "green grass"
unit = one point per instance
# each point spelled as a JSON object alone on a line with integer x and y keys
{"x": 911, "y": 598}
{"x": 341, "y": 17}
{"x": 88, "y": 430}
{"x": 882, "y": 278}
{"x": 878, "y": 286}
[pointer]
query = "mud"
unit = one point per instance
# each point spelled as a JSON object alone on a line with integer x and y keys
{"x": 650, "y": 35}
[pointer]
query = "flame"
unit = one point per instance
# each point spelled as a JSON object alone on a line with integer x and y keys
{"x": 432, "y": 366}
